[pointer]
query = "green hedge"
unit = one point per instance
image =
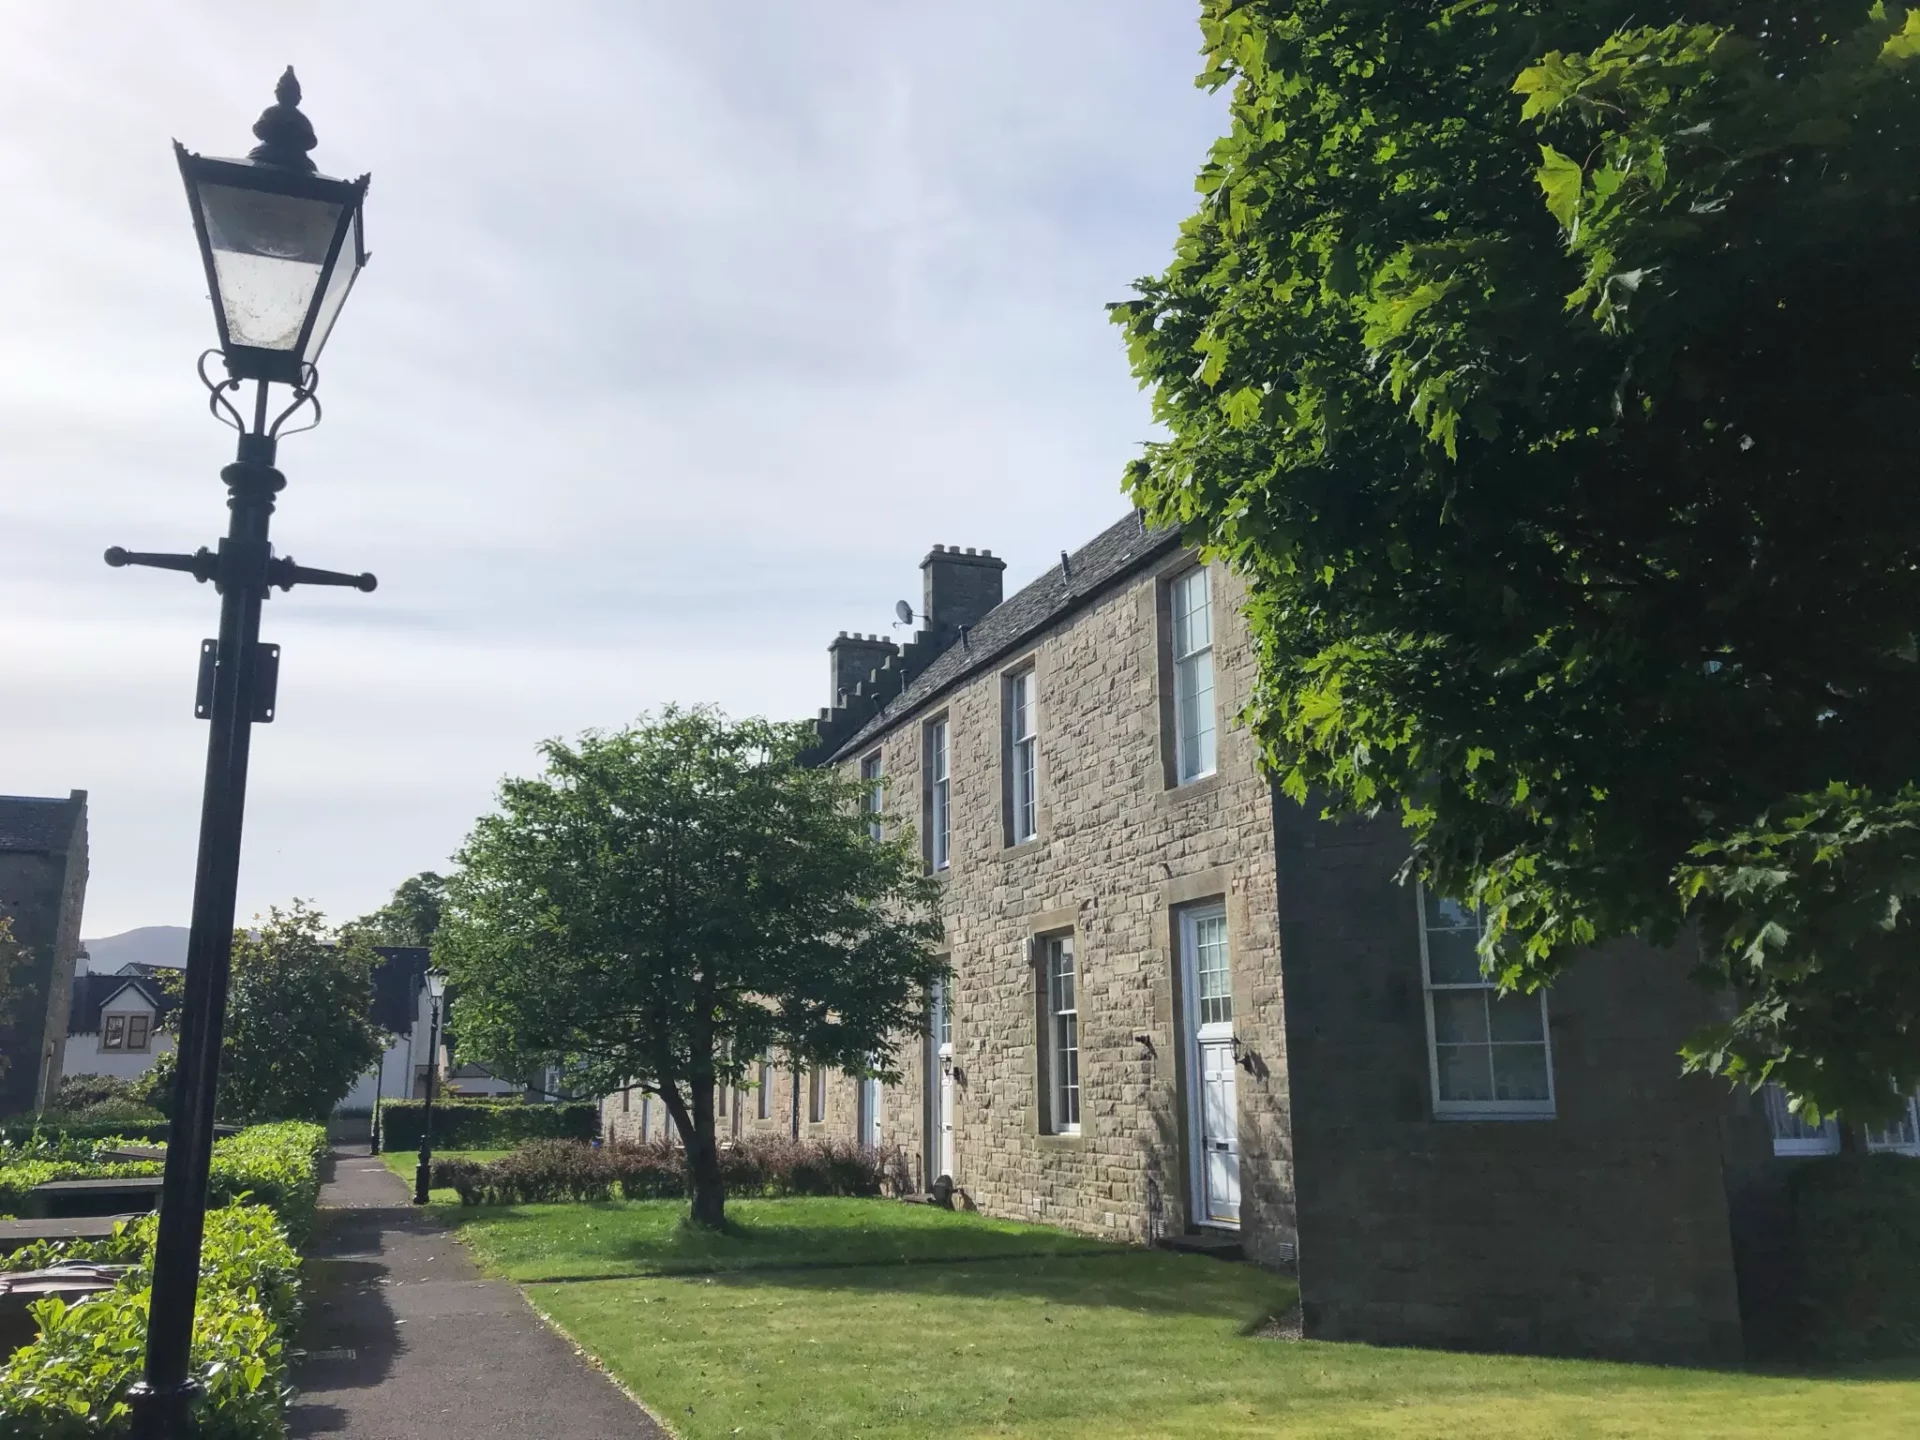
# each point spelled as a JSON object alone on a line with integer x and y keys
{"x": 484, "y": 1125}
{"x": 1857, "y": 1221}
{"x": 72, "y": 1380}
{"x": 275, "y": 1165}
{"x": 141, "y": 1132}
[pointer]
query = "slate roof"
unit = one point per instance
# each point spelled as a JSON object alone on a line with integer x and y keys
{"x": 1110, "y": 556}
{"x": 396, "y": 986}
{"x": 31, "y": 823}
{"x": 92, "y": 992}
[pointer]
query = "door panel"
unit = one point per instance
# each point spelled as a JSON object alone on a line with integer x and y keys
{"x": 1220, "y": 1133}
{"x": 1213, "y": 1117}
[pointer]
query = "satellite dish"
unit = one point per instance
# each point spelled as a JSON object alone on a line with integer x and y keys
{"x": 904, "y": 611}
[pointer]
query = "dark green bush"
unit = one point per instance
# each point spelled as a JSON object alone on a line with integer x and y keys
{"x": 769, "y": 1165}
{"x": 103, "y": 1097}
{"x": 483, "y": 1124}
{"x": 72, "y": 1380}
{"x": 1857, "y": 1222}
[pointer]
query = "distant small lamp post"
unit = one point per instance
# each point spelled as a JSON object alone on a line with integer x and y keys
{"x": 281, "y": 246}
{"x": 423, "y": 1173}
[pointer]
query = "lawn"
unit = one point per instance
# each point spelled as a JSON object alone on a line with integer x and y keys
{"x": 819, "y": 1318}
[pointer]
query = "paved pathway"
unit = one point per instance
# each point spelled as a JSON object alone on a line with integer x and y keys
{"x": 405, "y": 1341}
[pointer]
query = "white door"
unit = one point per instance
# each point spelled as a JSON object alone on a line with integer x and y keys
{"x": 1213, "y": 1117}
{"x": 869, "y": 1130}
{"x": 939, "y": 1088}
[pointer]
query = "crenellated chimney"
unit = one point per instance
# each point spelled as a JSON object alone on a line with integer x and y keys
{"x": 852, "y": 659}
{"x": 959, "y": 589}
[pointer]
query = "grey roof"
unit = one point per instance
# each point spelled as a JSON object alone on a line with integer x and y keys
{"x": 1110, "y": 556}
{"x": 28, "y": 822}
{"x": 92, "y": 992}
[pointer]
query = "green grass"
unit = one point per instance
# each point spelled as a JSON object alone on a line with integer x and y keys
{"x": 530, "y": 1243}
{"x": 784, "y": 1339}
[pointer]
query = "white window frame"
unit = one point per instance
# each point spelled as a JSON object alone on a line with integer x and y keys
{"x": 1060, "y": 1008}
{"x": 875, "y": 794}
{"x": 113, "y": 1032}
{"x": 1023, "y": 755}
{"x": 1546, "y": 1109}
{"x": 763, "y": 1106}
{"x": 1793, "y": 1136}
{"x": 939, "y": 752}
{"x": 817, "y": 1095}
{"x": 1196, "y": 737}
{"x": 146, "y": 1034}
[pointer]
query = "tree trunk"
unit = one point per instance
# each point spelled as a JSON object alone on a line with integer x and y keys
{"x": 1850, "y": 1143}
{"x": 708, "y": 1190}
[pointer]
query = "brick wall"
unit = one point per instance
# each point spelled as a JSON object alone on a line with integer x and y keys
{"x": 1118, "y": 852}
{"x": 1603, "y": 1230}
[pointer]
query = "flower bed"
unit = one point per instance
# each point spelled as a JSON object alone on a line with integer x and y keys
{"x": 556, "y": 1170}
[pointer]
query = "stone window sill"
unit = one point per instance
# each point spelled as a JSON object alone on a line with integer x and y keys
{"x": 1175, "y": 796}
{"x": 1077, "y": 1141}
{"x": 1025, "y": 848}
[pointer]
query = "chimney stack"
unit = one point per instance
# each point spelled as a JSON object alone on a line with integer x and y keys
{"x": 853, "y": 658}
{"x": 959, "y": 588}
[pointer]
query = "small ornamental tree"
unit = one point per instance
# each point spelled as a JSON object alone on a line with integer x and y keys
{"x": 1552, "y": 372}
{"x": 299, "y": 1026}
{"x": 668, "y": 902}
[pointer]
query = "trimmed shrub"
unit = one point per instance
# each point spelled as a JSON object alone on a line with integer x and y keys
{"x": 483, "y": 1124}
{"x": 763, "y": 1165}
{"x": 73, "y": 1379}
{"x": 1857, "y": 1222}
{"x": 276, "y": 1165}
{"x": 141, "y": 1132}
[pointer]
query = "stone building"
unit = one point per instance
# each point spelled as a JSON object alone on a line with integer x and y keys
{"x": 1186, "y": 1010}
{"x": 43, "y": 887}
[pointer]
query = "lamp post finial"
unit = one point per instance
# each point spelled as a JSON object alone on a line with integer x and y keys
{"x": 285, "y": 135}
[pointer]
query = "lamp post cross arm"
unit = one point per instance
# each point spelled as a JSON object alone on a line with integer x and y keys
{"x": 205, "y": 565}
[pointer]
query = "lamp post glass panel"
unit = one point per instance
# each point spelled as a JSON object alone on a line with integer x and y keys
{"x": 281, "y": 245}
{"x": 423, "y": 1172}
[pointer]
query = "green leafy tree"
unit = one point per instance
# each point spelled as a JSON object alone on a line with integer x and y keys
{"x": 670, "y": 901}
{"x": 409, "y": 918}
{"x": 299, "y": 1026}
{"x": 1551, "y": 370}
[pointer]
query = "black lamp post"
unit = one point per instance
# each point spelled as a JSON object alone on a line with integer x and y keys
{"x": 423, "y": 1172}
{"x": 282, "y": 246}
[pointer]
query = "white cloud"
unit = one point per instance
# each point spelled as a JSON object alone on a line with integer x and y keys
{"x": 687, "y": 330}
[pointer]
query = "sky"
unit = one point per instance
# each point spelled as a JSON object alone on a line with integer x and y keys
{"x": 687, "y": 331}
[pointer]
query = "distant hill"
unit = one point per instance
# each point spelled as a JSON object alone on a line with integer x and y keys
{"x": 149, "y": 945}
